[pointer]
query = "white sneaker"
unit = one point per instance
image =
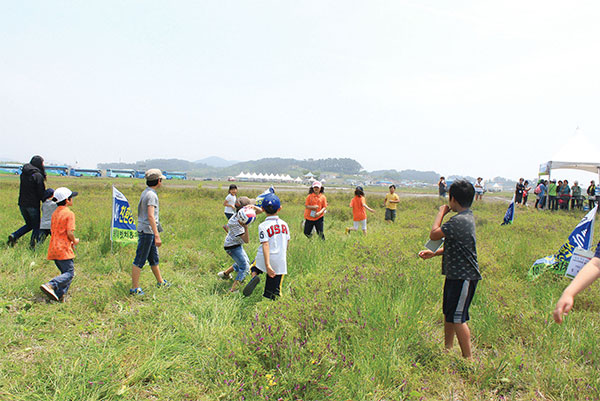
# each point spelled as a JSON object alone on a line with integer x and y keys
{"x": 224, "y": 276}
{"x": 49, "y": 291}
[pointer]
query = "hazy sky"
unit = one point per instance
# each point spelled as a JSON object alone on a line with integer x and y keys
{"x": 463, "y": 87}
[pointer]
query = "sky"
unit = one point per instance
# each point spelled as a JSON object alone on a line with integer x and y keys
{"x": 479, "y": 88}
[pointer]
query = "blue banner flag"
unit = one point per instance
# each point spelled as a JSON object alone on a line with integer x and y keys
{"x": 122, "y": 228}
{"x": 581, "y": 237}
{"x": 260, "y": 197}
{"x": 509, "y": 216}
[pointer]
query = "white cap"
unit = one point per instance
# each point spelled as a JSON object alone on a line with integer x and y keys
{"x": 316, "y": 184}
{"x": 62, "y": 193}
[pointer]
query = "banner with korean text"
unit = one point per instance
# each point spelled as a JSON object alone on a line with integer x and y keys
{"x": 123, "y": 224}
{"x": 580, "y": 237}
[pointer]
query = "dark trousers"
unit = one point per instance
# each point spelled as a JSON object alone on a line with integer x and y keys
{"x": 31, "y": 215}
{"x": 317, "y": 224}
{"x": 552, "y": 203}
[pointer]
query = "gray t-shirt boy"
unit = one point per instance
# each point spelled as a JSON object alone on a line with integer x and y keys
{"x": 148, "y": 198}
{"x": 48, "y": 207}
{"x": 234, "y": 233}
{"x": 459, "y": 260}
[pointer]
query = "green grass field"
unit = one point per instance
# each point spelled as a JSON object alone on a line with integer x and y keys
{"x": 360, "y": 317}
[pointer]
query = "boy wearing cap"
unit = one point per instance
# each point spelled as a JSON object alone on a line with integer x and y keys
{"x": 271, "y": 258}
{"x": 62, "y": 244}
{"x": 149, "y": 230}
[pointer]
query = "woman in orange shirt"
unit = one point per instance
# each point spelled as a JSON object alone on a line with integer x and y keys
{"x": 359, "y": 215}
{"x": 315, "y": 207}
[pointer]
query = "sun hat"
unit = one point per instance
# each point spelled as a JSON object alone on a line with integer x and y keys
{"x": 154, "y": 174}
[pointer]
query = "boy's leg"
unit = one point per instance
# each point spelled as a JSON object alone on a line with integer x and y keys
{"x": 463, "y": 334}
{"x": 153, "y": 261}
{"x": 458, "y": 295}
{"x": 273, "y": 286}
{"x": 135, "y": 276}
{"x": 448, "y": 335}
{"x": 157, "y": 275}
{"x": 241, "y": 266}
{"x": 141, "y": 255}
{"x": 61, "y": 283}
{"x": 249, "y": 288}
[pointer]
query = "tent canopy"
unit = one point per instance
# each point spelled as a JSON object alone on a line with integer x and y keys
{"x": 546, "y": 169}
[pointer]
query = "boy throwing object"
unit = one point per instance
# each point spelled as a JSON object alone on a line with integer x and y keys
{"x": 459, "y": 263}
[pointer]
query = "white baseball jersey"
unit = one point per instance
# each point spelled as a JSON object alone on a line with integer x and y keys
{"x": 277, "y": 233}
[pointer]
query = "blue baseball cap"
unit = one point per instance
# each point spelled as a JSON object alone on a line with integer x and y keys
{"x": 271, "y": 203}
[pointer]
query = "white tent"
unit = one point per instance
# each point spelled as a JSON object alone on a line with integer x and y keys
{"x": 546, "y": 168}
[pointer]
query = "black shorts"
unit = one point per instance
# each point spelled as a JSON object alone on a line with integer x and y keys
{"x": 458, "y": 295}
{"x": 272, "y": 284}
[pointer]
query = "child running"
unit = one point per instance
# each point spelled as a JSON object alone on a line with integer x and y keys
{"x": 62, "y": 244}
{"x": 237, "y": 236}
{"x": 459, "y": 263}
{"x": 271, "y": 258}
{"x": 359, "y": 215}
{"x": 48, "y": 208}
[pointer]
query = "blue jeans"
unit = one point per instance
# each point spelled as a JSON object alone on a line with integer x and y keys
{"x": 241, "y": 262}
{"x": 61, "y": 283}
{"x": 146, "y": 250}
{"x": 31, "y": 215}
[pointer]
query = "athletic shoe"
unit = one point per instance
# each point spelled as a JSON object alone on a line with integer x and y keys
{"x": 224, "y": 276}
{"x": 251, "y": 286}
{"x": 136, "y": 291}
{"x": 164, "y": 284}
{"x": 11, "y": 241}
{"x": 49, "y": 291}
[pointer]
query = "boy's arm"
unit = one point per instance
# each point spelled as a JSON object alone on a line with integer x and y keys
{"x": 266, "y": 249}
{"x": 153, "y": 225}
{"x": 436, "y": 231}
{"x": 71, "y": 237}
{"x": 428, "y": 254}
{"x": 587, "y": 275}
{"x": 245, "y": 236}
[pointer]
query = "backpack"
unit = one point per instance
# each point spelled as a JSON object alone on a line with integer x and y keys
{"x": 537, "y": 189}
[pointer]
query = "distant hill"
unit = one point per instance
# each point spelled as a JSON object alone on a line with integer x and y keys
{"x": 411, "y": 175}
{"x": 163, "y": 164}
{"x": 265, "y": 166}
{"x": 218, "y": 162}
{"x": 276, "y": 165}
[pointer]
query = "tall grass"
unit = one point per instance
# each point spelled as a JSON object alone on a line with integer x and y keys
{"x": 360, "y": 316}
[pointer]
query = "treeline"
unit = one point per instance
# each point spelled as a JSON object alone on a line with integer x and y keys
{"x": 274, "y": 165}
{"x": 410, "y": 175}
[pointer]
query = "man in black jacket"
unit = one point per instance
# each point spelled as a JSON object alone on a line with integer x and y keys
{"x": 31, "y": 194}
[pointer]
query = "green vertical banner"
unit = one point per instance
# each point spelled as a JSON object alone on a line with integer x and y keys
{"x": 122, "y": 228}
